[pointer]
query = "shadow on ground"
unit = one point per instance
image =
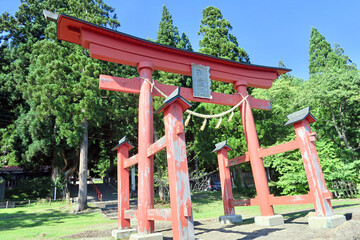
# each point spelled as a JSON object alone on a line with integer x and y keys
{"x": 20, "y": 219}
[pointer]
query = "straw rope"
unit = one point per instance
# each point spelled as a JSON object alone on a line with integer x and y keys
{"x": 200, "y": 115}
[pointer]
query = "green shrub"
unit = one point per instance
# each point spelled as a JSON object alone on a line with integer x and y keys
{"x": 34, "y": 188}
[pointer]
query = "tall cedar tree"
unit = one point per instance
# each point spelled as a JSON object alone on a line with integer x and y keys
{"x": 168, "y": 34}
{"x": 60, "y": 88}
{"x": 18, "y": 33}
{"x": 319, "y": 50}
{"x": 333, "y": 92}
{"x": 219, "y": 42}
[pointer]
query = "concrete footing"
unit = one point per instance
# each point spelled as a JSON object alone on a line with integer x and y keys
{"x": 151, "y": 236}
{"x": 230, "y": 219}
{"x": 122, "y": 233}
{"x": 269, "y": 221}
{"x": 326, "y": 221}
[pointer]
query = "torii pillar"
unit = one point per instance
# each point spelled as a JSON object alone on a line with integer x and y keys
{"x": 146, "y": 163}
{"x": 122, "y": 150}
{"x": 325, "y": 217}
{"x": 226, "y": 189}
{"x": 267, "y": 218}
{"x": 180, "y": 198}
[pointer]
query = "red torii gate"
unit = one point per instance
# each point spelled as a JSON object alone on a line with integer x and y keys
{"x": 109, "y": 45}
{"x": 318, "y": 194}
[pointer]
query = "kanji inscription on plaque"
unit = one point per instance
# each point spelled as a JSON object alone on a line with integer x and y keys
{"x": 201, "y": 81}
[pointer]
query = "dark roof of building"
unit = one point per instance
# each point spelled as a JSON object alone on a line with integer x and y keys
{"x": 11, "y": 169}
{"x": 18, "y": 169}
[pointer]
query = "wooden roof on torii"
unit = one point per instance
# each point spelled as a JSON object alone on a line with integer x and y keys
{"x": 112, "y": 46}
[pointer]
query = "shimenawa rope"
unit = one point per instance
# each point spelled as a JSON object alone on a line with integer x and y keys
{"x": 205, "y": 116}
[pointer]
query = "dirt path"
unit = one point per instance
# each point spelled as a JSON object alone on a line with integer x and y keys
{"x": 295, "y": 227}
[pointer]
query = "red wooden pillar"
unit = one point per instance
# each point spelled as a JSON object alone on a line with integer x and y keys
{"x": 180, "y": 198}
{"x": 306, "y": 139}
{"x": 145, "y": 138}
{"x": 123, "y": 182}
{"x": 225, "y": 179}
{"x": 257, "y": 166}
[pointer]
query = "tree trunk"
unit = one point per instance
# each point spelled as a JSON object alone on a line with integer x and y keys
{"x": 83, "y": 165}
{"x": 242, "y": 180}
{"x": 161, "y": 185}
{"x": 54, "y": 172}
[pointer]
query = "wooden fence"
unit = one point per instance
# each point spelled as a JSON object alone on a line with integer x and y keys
{"x": 343, "y": 189}
{"x": 27, "y": 203}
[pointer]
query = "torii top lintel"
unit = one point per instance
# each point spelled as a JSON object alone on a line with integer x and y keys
{"x": 112, "y": 46}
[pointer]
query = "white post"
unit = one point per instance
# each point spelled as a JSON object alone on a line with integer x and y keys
{"x": 55, "y": 194}
{"x": 133, "y": 179}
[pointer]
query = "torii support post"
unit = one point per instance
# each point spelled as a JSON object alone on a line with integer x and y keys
{"x": 321, "y": 196}
{"x": 262, "y": 189}
{"x": 123, "y": 189}
{"x": 225, "y": 179}
{"x": 180, "y": 198}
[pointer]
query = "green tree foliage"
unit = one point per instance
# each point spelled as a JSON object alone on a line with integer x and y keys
{"x": 335, "y": 87}
{"x": 217, "y": 41}
{"x": 168, "y": 34}
{"x": 319, "y": 50}
{"x": 334, "y": 95}
{"x": 332, "y": 92}
{"x": 287, "y": 171}
{"x": 32, "y": 188}
{"x": 285, "y": 99}
{"x": 18, "y": 33}
{"x": 336, "y": 90}
{"x": 59, "y": 89}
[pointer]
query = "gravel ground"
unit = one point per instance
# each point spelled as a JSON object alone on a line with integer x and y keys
{"x": 295, "y": 227}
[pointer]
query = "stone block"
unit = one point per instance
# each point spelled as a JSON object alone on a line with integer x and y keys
{"x": 326, "y": 221}
{"x": 122, "y": 233}
{"x": 269, "y": 221}
{"x": 151, "y": 236}
{"x": 230, "y": 219}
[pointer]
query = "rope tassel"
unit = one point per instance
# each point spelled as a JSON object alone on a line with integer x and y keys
{"x": 219, "y": 122}
{"x": 187, "y": 120}
{"x": 231, "y": 116}
{"x": 203, "y": 125}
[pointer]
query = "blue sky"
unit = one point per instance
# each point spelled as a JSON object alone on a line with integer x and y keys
{"x": 268, "y": 30}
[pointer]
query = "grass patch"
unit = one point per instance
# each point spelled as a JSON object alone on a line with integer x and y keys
{"x": 44, "y": 222}
{"x": 98, "y": 181}
{"x": 209, "y": 205}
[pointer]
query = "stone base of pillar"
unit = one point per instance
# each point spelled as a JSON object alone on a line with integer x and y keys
{"x": 269, "y": 221}
{"x": 122, "y": 233}
{"x": 326, "y": 221}
{"x": 151, "y": 236}
{"x": 230, "y": 219}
